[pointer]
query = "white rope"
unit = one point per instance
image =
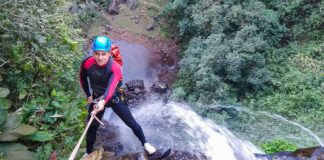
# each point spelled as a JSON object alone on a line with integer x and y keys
{"x": 76, "y": 148}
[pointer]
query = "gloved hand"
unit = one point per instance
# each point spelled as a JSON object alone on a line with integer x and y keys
{"x": 98, "y": 107}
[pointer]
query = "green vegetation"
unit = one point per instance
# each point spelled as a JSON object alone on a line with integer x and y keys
{"x": 136, "y": 20}
{"x": 266, "y": 55}
{"x": 41, "y": 108}
{"x": 40, "y": 55}
{"x": 226, "y": 52}
{"x": 278, "y": 145}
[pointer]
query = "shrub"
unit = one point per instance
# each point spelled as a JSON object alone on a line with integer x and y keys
{"x": 277, "y": 145}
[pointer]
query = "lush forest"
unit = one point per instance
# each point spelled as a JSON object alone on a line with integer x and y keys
{"x": 261, "y": 54}
{"x": 40, "y": 105}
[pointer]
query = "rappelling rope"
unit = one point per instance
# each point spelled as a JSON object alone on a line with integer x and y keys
{"x": 76, "y": 148}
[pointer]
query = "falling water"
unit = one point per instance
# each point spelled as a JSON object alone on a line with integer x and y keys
{"x": 273, "y": 126}
{"x": 135, "y": 62}
{"x": 176, "y": 126}
{"x": 295, "y": 124}
{"x": 173, "y": 125}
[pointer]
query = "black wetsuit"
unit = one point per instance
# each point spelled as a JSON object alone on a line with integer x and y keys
{"x": 104, "y": 81}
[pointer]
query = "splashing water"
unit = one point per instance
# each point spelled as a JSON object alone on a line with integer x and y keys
{"x": 275, "y": 126}
{"x": 177, "y": 126}
{"x": 296, "y": 124}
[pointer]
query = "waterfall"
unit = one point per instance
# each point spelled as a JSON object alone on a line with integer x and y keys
{"x": 177, "y": 126}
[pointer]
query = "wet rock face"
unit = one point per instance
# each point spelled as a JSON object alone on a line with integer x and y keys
{"x": 114, "y": 6}
{"x": 150, "y": 27}
{"x": 318, "y": 153}
{"x": 313, "y": 153}
{"x": 135, "y": 84}
{"x": 135, "y": 92}
{"x": 107, "y": 138}
{"x": 159, "y": 87}
{"x": 107, "y": 147}
{"x": 175, "y": 155}
{"x": 184, "y": 155}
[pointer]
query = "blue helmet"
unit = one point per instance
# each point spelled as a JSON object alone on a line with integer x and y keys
{"x": 101, "y": 43}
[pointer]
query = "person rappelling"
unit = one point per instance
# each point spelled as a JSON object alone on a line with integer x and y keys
{"x": 104, "y": 71}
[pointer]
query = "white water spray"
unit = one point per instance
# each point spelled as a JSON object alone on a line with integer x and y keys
{"x": 295, "y": 124}
{"x": 275, "y": 117}
{"x": 177, "y": 126}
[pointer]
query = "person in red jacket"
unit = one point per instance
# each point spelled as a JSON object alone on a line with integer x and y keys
{"x": 104, "y": 74}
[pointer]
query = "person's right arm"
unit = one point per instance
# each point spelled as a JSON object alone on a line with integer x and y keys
{"x": 84, "y": 82}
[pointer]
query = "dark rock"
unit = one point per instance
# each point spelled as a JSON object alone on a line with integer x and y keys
{"x": 137, "y": 21}
{"x": 131, "y": 85}
{"x": 132, "y": 4}
{"x": 263, "y": 156}
{"x": 107, "y": 138}
{"x": 108, "y": 132}
{"x": 135, "y": 17}
{"x": 159, "y": 87}
{"x": 156, "y": 18}
{"x": 281, "y": 155}
{"x": 113, "y": 146}
{"x": 130, "y": 95}
{"x": 108, "y": 27}
{"x": 137, "y": 91}
{"x": 304, "y": 152}
{"x": 318, "y": 153}
{"x": 73, "y": 9}
{"x": 175, "y": 155}
{"x": 150, "y": 27}
{"x": 113, "y": 8}
{"x": 312, "y": 153}
{"x": 185, "y": 155}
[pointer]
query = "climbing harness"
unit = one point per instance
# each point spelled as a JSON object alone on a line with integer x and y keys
{"x": 119, "y": 96}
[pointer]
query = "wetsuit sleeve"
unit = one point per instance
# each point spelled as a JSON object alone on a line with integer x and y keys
{"x": 113, "y": 81}
{"x": 83, "y": 80}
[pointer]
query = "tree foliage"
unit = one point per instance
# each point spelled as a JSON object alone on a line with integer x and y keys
{"x": 39, "y": 48}
{"x": 40, "y": 56}
{"x": 267, "y": 54}
{"x": 302, "y": 17}
{"x": 297, "y": 85}
{"x": 227, "y": 47}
